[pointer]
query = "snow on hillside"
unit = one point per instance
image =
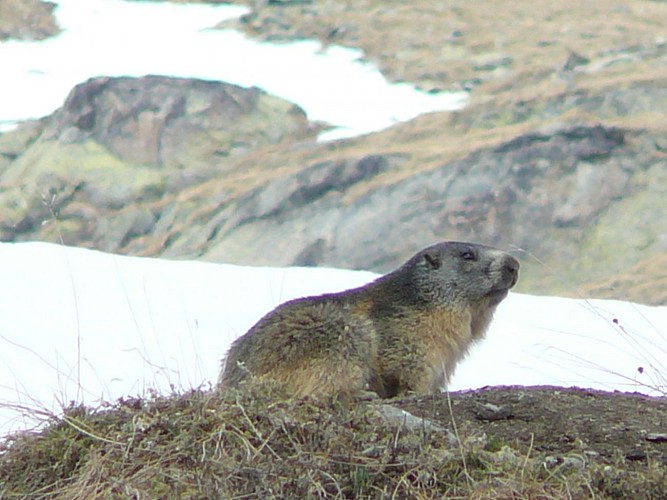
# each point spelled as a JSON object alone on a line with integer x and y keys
{"x": 87, "y": 326}
{"x": 120, "y": 38}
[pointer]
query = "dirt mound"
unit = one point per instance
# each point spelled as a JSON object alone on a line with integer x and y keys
{"x": 494, "y": 443}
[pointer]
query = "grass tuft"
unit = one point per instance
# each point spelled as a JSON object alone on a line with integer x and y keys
{"x": 206, "y": 445}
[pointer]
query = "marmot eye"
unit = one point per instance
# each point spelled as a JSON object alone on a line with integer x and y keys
{"x": 469, "y": 254}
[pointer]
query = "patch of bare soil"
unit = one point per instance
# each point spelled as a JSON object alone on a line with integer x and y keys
{"x": 624, "y": 435}
{"x": 597, "y": 425}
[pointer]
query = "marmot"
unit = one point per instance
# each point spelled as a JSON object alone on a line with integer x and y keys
{"x": 402, "y": 333}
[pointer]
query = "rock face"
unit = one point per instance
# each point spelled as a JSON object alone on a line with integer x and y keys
{"x": 27, "y": 20}
{"x": 94, "y": 173}
{"x": 292, "y": 216}
{"x": 174, "y": 123}
{"x": 557, "y": 196}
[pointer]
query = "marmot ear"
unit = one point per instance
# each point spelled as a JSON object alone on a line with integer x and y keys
{"x": 432, "y": 256}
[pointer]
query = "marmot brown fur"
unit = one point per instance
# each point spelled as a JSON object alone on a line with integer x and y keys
{"x": 401, "y": 333}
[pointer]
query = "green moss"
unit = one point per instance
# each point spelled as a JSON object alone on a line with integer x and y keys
{"x": 86, "y": 162}
{"x": 629, "y": 231}
{"x": 494, "y": 444}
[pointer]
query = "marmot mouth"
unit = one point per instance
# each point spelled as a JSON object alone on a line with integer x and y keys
{"x": 497, "y": 295}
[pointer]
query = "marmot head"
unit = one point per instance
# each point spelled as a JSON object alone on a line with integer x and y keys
{"x": 454, "y": 272}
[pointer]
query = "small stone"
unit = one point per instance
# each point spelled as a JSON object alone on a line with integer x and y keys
{"x": 491, "y": 412}
{"x": 635, "y": 455}
{"x": 394, "y": 415}
{"x": 657, "y": 437}
{"x": 567, "y": 462}
{"x": 574, "y": 60}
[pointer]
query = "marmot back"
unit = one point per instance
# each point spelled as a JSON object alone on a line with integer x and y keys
{"x": 402, "y": 333}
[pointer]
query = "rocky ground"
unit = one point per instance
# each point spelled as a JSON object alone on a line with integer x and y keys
{"x": 560, "y": 155}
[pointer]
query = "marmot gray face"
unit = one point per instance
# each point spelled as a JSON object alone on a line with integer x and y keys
{"x": 455, "y": 271}
{"x": 402, "y": 333}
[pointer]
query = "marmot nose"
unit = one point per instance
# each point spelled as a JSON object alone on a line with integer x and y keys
{"x": 511, "y": 270}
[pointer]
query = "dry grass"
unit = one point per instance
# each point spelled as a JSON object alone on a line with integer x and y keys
{"x": 201, "y": 445}
{"x": 441, "y": 44}
{"x": 645, "y": 282}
